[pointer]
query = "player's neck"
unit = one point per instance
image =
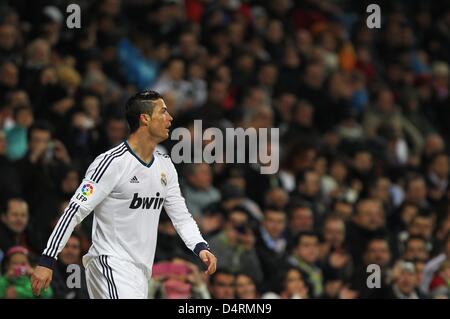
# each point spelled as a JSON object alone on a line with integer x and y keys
{"x": 142, "y": 146}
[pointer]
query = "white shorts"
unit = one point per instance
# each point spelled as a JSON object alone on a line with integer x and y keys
{"x": 111, "y": 278}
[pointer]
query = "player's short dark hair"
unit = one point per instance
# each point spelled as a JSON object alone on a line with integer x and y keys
{"x": 141, "y": 102}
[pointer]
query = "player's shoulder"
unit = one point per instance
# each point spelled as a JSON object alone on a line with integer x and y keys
{"x": 114, "y": 151}
{"x": 164, "y": 158}
{"x": 113, "y": 156}
{"x": 159, "y": 154}
{"x": 108, "y": 163}
{"x": 162, "y": 153}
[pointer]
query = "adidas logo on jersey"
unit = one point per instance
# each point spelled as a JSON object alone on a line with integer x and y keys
{"x": 134, "y": 180}
{"x": 146, "y": 202}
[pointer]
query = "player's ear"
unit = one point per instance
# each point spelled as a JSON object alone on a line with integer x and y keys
{"x": 144, "y": 118}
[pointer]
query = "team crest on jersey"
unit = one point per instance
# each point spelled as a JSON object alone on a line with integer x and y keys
{"x": 163, "y": 179}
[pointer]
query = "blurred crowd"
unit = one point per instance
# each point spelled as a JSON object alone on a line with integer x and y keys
{"x": 364, "y": 119}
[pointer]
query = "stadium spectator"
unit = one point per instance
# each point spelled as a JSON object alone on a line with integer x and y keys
{"x": 437, "y": 178}
{"x": 177, "y": 279}
{"x": 416, "y": 249}
{"x": 9, "y": 183}
{"x": 308, "y": 189}
{"x": 271, "y": 243}
{"x": 276, "y": 197}
{"x": 37, "y": 174}
{"x": 17, "y": 135}
{"x": 439, "y": 286}
{"x": 198, "y": 189}
{"x": 335, "y": 258}
{"x": 14, "y": 227}
{"x": 377, "y": 252}
{"x": 235, "y": 245}
{"x": 222, "y": 285}
{"x": 70, "y": 255}
{"x": 245, "y": 287}
{"x": 305, "y": 256}
{"x": 433, "y": 265}
{"x": 300, "y": 218}
{"x": 405, "y": 284}
{"x": 367, "y": 223}
{"x": 289, "y": 285}
{"x": 15, "y": 282}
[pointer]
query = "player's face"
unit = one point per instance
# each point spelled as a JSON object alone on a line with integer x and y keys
{"x": 160, "y": 121}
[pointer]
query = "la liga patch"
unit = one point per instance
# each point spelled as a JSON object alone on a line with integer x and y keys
{"x": 87, "y": 189}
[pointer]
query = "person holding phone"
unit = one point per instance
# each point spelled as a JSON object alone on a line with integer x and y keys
{"x": 15, "y": 282}
{"x": 235, "y": 245}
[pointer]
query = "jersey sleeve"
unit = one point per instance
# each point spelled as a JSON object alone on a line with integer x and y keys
{"x": 100, "y": 179}
{"x": 182, "y": 219}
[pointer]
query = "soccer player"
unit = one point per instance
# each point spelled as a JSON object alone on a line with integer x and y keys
{"x": 126, "y": 187}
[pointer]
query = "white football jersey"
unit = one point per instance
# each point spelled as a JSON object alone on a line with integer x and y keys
{"x": 127, "y": 196}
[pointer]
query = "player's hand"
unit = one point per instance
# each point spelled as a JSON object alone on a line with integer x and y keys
{"x": 210, "y": 260}
{"x": 41, "y": 278}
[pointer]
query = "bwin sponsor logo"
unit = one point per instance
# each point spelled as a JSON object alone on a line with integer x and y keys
{"x": 146, "y": 202}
